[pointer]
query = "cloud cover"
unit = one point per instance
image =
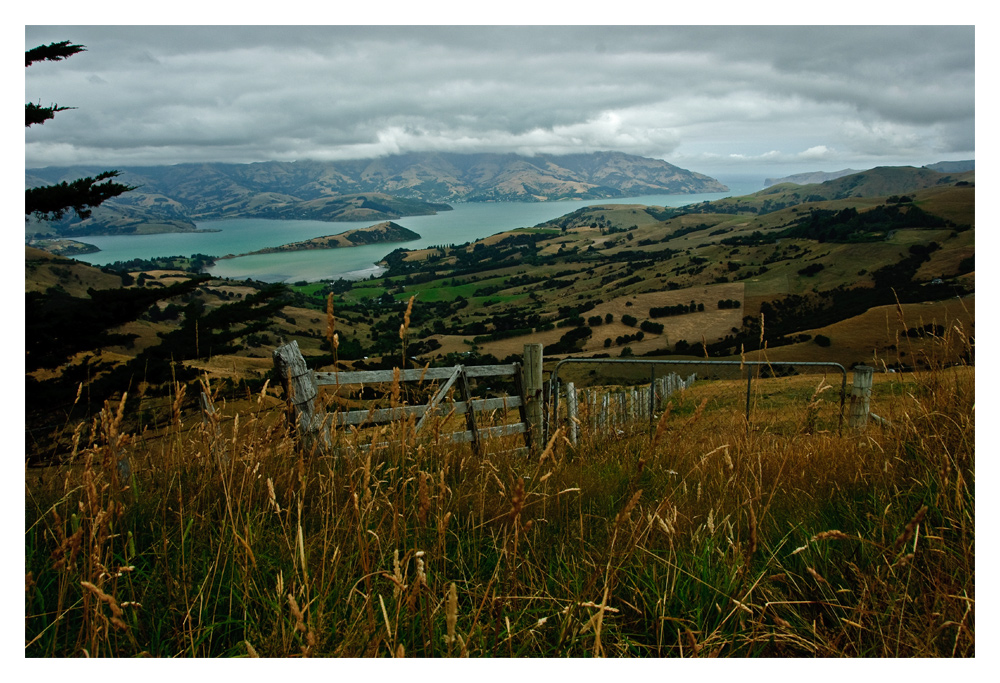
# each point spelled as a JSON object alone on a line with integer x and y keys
{"x": 713, "y": 99}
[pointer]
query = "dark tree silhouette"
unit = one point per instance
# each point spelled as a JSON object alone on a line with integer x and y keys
{"x": 53, "y": 201}
{"x": 53, "y": 52}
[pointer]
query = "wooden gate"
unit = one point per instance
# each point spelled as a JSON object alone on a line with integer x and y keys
{"x": 316, "y": 426}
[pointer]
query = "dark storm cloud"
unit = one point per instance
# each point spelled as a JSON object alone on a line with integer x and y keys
{"x": 701, "y": 97}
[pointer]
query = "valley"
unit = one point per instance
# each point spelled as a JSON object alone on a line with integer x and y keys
{"x": 838, "y": 271}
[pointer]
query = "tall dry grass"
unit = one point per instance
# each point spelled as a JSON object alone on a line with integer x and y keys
{"x": 698, "y": 538}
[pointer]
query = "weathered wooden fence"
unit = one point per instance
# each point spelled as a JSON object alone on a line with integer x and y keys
{"x": 536, "y": 403}
{"x": 319, "y": 427}
{"x": 614, "y": 408}
{"x": 644, "y": 408}
{"x": 861, "y": 393}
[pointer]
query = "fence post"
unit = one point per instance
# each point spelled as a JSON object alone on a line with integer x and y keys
{"x": 533, "y": 392}
{"x": 749, "y": 384}
{"x": 572, "y": 410}
{"x": 652, "y": 395}
{"x": 861, "y": 392}
{"x": 522, "y": 409}
{"x": 470, "y": 415}
{"x": 300, "y": 389}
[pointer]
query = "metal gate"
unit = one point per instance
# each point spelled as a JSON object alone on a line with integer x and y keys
{"x": 554, "y": 379}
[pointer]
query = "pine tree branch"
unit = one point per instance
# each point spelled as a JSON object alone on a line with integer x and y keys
{"x": 34, "y": 113}
{"x": 53, "y": 52}
{"x": 53, "y": 201}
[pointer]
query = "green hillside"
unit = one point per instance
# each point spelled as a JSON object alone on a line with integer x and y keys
{"x": 613, "y": 280}
{"x": 875, "y": 183}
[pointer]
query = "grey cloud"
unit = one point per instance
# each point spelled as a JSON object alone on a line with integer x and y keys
{"x": 170, "y": 94}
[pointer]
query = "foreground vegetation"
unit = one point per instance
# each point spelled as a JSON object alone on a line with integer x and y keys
{"x": 699, "y": 538}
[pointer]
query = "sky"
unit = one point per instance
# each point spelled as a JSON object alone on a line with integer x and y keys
{"x": 720, "y": 100}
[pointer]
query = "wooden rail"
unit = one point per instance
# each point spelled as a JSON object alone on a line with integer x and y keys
{"x": 317, "y": 426}
{"x": 605, "y": 409}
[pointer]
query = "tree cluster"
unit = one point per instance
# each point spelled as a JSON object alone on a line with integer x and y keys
{"x": 678, "y": 309}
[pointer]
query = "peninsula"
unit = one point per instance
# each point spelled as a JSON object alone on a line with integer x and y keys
{"x": 380, "y": 233}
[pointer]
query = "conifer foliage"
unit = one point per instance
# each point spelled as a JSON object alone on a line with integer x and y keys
{"x": 53, "y": 201}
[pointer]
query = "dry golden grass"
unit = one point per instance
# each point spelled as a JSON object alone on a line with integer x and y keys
{"x": 957, "y": 204}
{"x": 697, "y": 538}
{"x": 220, "y": 533}
{"x": 44, "y": 270}
{"x": 877, "y": 337}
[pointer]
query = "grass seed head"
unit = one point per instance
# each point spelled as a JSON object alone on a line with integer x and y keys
{"x": 517, "y": 499}
{"x": 331, "y": 321}
{"x": 406, "y": 318}
{"x": 661, "y": 426}
{"x": 909, "y": 530}
{"x": 832, "y": 535}
{"x": 627, "y": 510}
{"x": 816, "y": 575}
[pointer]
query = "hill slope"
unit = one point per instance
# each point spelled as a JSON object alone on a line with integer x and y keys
{"x": 883, "y": 181}
{"x": 953, "y": 166}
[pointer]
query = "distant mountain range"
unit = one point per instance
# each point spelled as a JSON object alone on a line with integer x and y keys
{"x": 882, "y": 181}
{"x": 172, "y": 198}
{"x": 813, "y": 177}
{"x": 953, "y": 166}
{"x": 810, "y": 178}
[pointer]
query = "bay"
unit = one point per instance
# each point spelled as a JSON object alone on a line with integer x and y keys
{"x": 465, "y": 223}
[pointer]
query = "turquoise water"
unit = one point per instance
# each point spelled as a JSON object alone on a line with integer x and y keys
{"x": 465, "y": 223}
